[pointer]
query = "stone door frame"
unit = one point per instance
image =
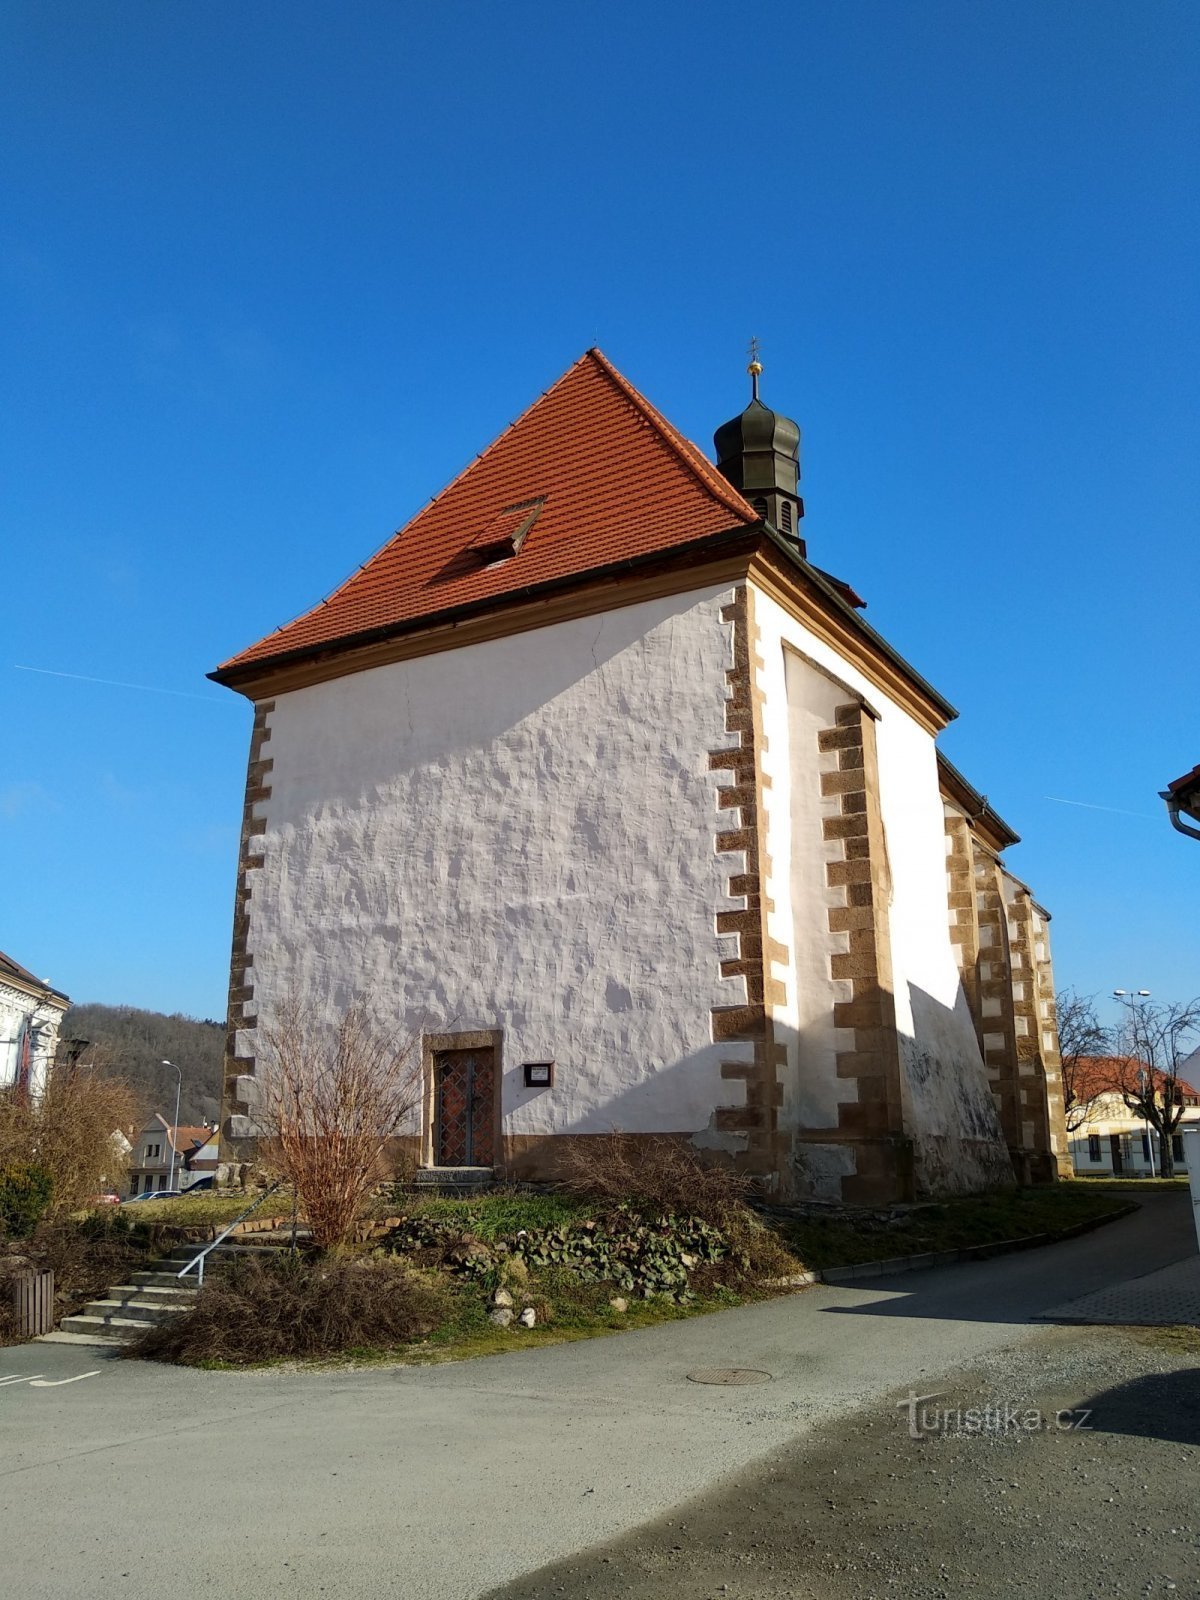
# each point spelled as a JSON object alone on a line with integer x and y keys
{"x": 432, "y": 1045}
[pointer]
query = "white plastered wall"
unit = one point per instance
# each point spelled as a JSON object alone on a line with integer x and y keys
{"x": 519, "y": 835}
{"x": 27, "y": 1023}
{"x": 948, "y": 1107}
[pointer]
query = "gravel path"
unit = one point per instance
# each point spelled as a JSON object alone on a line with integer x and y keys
{"x": 978, "y": 1507}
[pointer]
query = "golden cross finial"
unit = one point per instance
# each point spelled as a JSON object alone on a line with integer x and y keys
{"x": 755, "y": 367}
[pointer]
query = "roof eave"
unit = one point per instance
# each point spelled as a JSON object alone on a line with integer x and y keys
{"x": 848, "y": 612}
{"x": 36, "y": 989}
{"x": 238, "y": 675}
{"x": 976, "y": 806}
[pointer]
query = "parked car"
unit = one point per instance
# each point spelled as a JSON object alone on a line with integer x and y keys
{"x": 153, "y": 1194}
{"x": 108, "y": 1199}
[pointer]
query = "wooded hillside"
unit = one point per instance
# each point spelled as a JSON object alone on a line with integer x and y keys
{"x": 134, "y": 1045}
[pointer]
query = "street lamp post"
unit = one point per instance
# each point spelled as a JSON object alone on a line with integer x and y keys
{"x": 173, "y": 1132}
{"x": 1130, "y": 997}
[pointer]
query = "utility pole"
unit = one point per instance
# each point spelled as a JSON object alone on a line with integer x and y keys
{"x": 173, "y": 1132}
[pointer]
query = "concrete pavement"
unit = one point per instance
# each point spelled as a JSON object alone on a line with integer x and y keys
{"x": 443, "y": 1481}
{"x": 1169, "y": 1297}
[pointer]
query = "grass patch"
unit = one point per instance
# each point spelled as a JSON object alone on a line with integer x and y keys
{"x": 1180, "y": 1340}
{"x": 1121, "y": 1185}
{"x": 568, "y": 1312}
{"x": 205, "y": 1210}
{"x": 949, "y": 1224}
{"x": 499, "y": 1214}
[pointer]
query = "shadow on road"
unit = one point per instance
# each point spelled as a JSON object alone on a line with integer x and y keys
{"x": 1161, "y": 1405}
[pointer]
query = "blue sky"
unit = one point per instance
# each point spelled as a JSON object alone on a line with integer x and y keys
{"x": 272, "y": 273}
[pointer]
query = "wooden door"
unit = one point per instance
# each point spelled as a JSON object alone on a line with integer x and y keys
{"x": 464, "y": 1108}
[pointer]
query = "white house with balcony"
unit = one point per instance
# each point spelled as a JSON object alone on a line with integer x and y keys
{"x": 31, "y": 1013}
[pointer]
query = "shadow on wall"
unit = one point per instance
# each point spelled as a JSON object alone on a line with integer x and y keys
{"x": 950, "y": 1116}
{"x": 365, "y": 732}
{"x": 959, "y": 1145}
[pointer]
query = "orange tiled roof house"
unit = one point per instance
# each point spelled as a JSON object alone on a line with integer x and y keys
{"x": 592, "y": 778}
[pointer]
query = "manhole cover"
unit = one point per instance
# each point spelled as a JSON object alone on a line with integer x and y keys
{"x": 728, "y": 1375}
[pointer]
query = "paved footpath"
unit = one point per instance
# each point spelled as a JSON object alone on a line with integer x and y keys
{"x": 1169, "y": 1297}
{"x": 441, "y": 1482}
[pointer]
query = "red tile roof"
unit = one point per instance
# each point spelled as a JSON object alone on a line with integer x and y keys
{"x": 1092, "y": 1076}
{"x": 618, "y": 482}
{"x": 1189, "y": 782}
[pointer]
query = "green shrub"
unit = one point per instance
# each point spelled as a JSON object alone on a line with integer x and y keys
{"x": 634, "y": 1253}
{"x": 25, "y": 1193}
{"x": 282, "y": 1305}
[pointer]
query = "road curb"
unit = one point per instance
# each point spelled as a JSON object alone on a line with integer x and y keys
{"x": 970, "y": 1252}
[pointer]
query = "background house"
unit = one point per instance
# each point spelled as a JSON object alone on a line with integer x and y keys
{"x": 1110, "y": 1140}
{"x": 31, "y": 1013}
{"x": 195, "y": 1151}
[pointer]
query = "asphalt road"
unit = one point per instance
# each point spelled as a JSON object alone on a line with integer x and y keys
{"x": 121, "y": 1477}
{"x": 1022, "y": 1480}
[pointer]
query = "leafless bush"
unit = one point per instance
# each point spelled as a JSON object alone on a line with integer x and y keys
{"x": 263, "y": 1309}
{"x": 653, "y": 1172}
{"x": 333, "y": 1100}
{"x": 70, "y": 1132}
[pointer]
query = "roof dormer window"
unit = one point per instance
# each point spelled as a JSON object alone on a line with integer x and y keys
{"x": 504, "y": 535}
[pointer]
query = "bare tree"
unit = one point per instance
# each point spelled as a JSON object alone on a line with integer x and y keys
{"x": 70, "y": 1131}
{"x": 332, "y": 1099}
{"x": 1153, "y": 1037}
{"x": 1082, "y": 1041}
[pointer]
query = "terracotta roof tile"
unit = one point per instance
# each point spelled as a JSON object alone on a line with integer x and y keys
{"x": 1096, "y": 1075}
{"x": 618, "y": 482}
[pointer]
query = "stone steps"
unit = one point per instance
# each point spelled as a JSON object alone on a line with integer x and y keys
{"x": 153, "y": 1295}
{"x": 156, "y": 1294}
{"x": 151, "y": 1280}
{"x": 114, "y": 1330}
{"x": 96, "y": 1340}
{"x": 455, "y": 1180}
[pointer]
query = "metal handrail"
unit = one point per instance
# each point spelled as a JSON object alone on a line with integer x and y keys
{"x": 198, "y": 1261}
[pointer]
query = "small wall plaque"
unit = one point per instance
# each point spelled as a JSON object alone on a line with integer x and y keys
{"x": 539, "y": 1074}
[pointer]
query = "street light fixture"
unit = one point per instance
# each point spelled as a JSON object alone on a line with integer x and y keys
{"x": 173, "y": 1131}
{"x": 1131, "y": 997}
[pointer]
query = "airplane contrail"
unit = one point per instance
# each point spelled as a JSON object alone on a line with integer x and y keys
{"x": 115, "y": 683}
{"x": 1088, "y": 806}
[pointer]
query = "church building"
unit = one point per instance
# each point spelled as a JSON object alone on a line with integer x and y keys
{"x": 592, "y": 780}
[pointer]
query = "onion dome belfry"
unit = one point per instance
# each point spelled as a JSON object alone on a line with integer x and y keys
{"x": 759, "y": 453}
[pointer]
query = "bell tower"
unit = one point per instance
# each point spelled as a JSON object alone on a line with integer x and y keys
{"x": 759, "y": 453}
